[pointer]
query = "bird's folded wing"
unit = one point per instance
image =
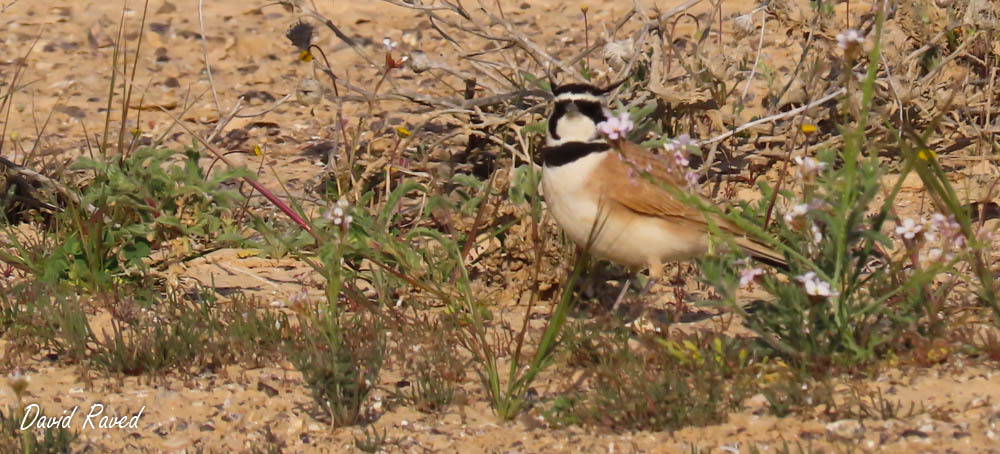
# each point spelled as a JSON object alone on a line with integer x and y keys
{"x": 626, "y": 183}
{"x": 625, "y": 186}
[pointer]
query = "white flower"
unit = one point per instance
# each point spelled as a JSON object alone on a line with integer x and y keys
{"x": 933, "y": 254}
{"x": 808, "y": 167}
{"x": 814, "y": 286}
{"x": 792, "y": 216}
{"x": 616, "y": 127}
{"x": 338, "y": 215}
{"x": 849, "y": 38}
{"x": 18, "y": 374}
{"x": 618, "y": 51}
{"x": 299, "y": 298}
{"x": 938, "y": 220}
{"x": 818, "y": 204}
{"x": 749, "y": 275}
{"x": 817, "y": 234}
{"x": 18, "y": 381}
{"x": 947, "y": 226}
{"x": 389, "y": 44}
{"x": 744, "y": 24}
{"x": 909, "y": 229}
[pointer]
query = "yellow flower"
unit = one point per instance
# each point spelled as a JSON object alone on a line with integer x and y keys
{"x": 809, "y": 128}
{"x": 257, "y": 151}
{"x": 403, "y": 132}
{"x": 937, "y": 354}
{"x": 135, "y": 131}
{"x": 927, "y": 154}
{"x": 306, "y": 56}
{"x": 14, "y": 136}
{"x": 584, "y": 9}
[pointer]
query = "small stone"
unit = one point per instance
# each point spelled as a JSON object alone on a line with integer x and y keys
{"x": 266, "y": 389}
{"x": 845, "y": 428}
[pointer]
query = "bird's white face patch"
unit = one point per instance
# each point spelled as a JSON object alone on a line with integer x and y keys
{"x": 574, "y": 127}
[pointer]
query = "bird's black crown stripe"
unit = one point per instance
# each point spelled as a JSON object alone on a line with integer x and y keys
{"x": 566, "y": 153}
{"x": 578, "y": 88}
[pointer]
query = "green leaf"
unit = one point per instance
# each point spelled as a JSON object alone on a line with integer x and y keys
{"x": 135, "y": 252}
{"x": 397, "y": 194}
{"x": 537, "y": 127}
{"x": 523, "y": 183}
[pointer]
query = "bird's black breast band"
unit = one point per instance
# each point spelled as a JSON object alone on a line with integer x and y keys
{"x": 566, "y": 153}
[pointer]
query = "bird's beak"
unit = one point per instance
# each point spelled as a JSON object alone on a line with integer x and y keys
{"x": 572, "y": 108}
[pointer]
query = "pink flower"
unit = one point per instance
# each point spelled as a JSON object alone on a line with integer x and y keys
{"x": 680, "y": 160}
{"x": 616, "y": 127}
{"x": 691, "y": 178}
{"x": 749, "y": 275}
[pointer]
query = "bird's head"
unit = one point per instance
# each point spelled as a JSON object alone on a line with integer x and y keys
{"x": 576, "y": 111}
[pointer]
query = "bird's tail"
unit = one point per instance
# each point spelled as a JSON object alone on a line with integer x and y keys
{"x": 762, "y": 253}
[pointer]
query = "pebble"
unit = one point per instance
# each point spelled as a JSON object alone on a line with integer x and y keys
{"x": 844, "y": 428}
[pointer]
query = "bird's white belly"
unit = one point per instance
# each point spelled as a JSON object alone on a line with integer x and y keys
{"x": 632, "y": 240}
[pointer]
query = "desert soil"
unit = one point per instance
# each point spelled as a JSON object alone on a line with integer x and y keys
{"x": 238, "y": 408}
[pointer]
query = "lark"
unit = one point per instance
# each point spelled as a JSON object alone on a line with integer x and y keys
{"x": 595, "y": 189}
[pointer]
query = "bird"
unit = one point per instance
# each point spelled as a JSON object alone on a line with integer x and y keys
{"x": 596, "y": 190}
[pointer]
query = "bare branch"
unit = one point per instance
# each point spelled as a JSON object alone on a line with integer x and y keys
{"x": 773, "y": 118}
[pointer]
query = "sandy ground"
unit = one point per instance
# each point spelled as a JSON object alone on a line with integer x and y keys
{"x": 236, "y": 409}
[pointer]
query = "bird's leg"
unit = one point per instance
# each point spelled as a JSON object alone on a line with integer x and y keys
{"x": 621, "y": 296}
{"x": 655, "y": 271}
{"x": 586, "y": 287}
{"x": 655, "y": 275}
{"x": 679, "y": 293}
